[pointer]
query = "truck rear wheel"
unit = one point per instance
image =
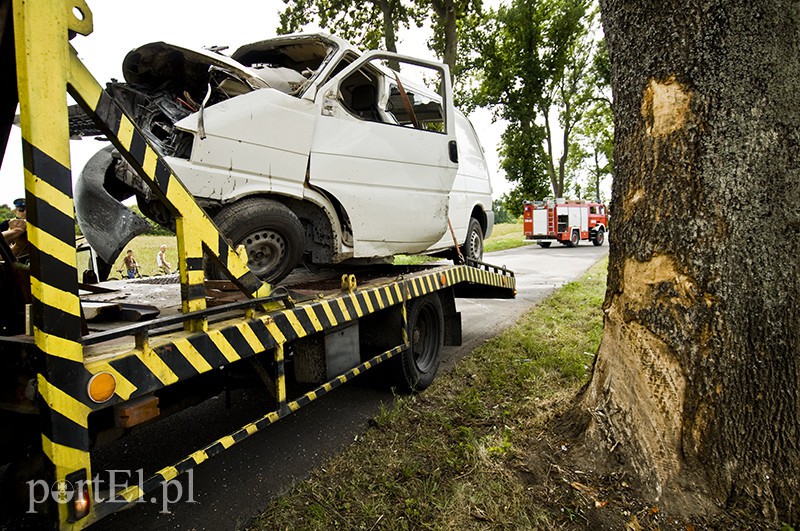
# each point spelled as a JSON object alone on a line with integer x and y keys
{"x": 416, "y": 367}
{"x": 599, "y": 238}
{"x": 270, "y": 232}
{"x": 574, "y": 239}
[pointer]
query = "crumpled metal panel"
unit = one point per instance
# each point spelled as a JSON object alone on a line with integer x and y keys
{"x": 107, "y": 224}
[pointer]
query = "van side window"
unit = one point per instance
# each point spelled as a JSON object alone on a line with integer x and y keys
{"x": 376, "y": 93}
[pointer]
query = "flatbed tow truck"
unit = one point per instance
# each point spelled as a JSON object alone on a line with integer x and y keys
{"x": 69, "y": 383}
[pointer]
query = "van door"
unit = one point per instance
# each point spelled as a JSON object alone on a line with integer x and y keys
{"x": 385, "y": 148}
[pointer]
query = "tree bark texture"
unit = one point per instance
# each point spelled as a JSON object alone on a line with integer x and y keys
{"x": 388, "y": 11}
{"x": 697, "y": 381}
{"x": 447, "y": 12}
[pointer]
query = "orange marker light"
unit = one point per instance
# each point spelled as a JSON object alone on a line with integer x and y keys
{"x": 102, "y": 386}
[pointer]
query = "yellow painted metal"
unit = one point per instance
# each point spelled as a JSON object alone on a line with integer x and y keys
{"x": 42, "y": 59}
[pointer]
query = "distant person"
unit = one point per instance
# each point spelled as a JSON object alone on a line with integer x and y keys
{"x": 161, "y": 260}
{"x": 130, "y": 264}
{"x": 15, "y": 231}
{"x": 19, "y": 213}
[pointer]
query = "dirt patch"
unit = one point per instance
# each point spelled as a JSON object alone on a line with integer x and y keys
{"x": 587, "y": 488}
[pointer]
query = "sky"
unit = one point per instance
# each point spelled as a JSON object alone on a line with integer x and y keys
{"x": 122, "y": 26}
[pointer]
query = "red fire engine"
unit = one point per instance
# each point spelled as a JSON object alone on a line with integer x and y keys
{"x": 567, "y": 222}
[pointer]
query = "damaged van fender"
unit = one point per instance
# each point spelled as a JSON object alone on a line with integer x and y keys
{"x": 106, "y": 223}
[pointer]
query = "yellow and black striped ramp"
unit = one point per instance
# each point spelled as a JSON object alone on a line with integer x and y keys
{"x": 145, "y": 370}
{"x": 40, "y": 31}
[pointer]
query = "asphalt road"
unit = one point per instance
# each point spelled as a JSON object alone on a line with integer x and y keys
{"x": 230, "y": 489}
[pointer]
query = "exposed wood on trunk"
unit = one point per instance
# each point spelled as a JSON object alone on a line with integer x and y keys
{"x": 697, "y": 381}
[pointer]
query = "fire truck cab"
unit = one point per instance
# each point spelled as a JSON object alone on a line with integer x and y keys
{"x": 567, "y": 222}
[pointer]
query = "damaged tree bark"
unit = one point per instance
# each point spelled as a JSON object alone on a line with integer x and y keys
{"x": 697, "y": 382}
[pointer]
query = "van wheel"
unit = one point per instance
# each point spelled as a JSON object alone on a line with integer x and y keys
{"x": 473, "y": 247}
{"x": 543, "y": 245}
{"x": 416, "y": 367}
{"x": 270, "y": 232}
{"x": 599, "y": 238}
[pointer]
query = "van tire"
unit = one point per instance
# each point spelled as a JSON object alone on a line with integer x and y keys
{"x": 473, "y": 246}
{"x": 272, "y": 234}
{"x": 415, "y": 368}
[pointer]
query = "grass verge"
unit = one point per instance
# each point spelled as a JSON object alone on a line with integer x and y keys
{"x": 455, "y": 457}
{"x": 145, "y": 248}
{"x": 504, "y": 236}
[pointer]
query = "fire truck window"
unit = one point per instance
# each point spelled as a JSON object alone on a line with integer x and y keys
{"x": 593, "y": 210}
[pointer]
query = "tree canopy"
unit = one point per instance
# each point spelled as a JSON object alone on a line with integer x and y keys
{"x": 541, "y": 69}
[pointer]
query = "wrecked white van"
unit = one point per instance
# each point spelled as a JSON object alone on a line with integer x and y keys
{"x": 300, "y": 148}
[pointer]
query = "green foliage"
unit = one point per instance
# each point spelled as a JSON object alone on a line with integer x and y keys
{"x": 6, "y": 212}
{"x": 452, "y": 21}
{"x": 155, "y": 228}
{"x": 375, "y": 24}
{"x": 592, "y": 153}
{"x": 538, "y": 61}
{"x": 501, "y": 214}
{"x": 371, "y": 24}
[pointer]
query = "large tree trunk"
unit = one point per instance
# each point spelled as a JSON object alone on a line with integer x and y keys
{"x": 697, "y": 381}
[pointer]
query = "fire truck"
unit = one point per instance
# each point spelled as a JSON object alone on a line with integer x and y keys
{"x": 567, "y": 222}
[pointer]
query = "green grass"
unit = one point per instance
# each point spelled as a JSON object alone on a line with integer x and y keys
{"x": 504, "y": 236}
{"x": 145, "y": 248}
{"x": 455, "y": 456}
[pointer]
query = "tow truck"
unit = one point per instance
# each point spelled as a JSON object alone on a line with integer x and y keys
{"x": 82, "y": 364}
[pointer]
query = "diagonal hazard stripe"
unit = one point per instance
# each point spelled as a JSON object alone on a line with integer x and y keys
{"x": 275, "y": 332}
{"x": 326, "y": 307}
{"x": 65, "y": 458}
{"x": 57, "y": 346}
{"x": 294, "y": 323}
{"x": 54, "y": 197}
{"x": 60, "y": 401}
{"x": 61, "y": 300}
{"x": 356, "y": 305}
{"x": 54, "y": 172}
{"x": 222, "y": 344}
{"x": 251, "y": 338}
{"x": 192, "y": 355}
{"x": 60, "y": 250}
{"x": 343, "y": 309}
{"x": 157, "y": 366}
{"x": 312, "y": 316}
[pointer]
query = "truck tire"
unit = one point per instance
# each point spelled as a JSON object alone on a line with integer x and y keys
{"x": 271, "y": 233}
{"x": 599, "y": 238}
{"x": 574, "y": 239}
{"x": 543, "y": 245}
{"x": 473, "y": 247}
{"x": 416, "y": 367}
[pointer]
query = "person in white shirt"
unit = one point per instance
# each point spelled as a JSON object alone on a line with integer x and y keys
{"x": 161, "y": 260}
